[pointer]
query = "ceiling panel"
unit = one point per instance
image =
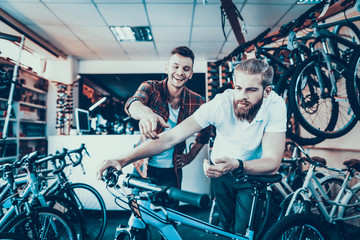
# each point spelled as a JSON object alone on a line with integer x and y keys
{"x": 267, "y": 15}
{"x": 164, "y": 48}
{"x": 31, "y": 13}
{"x": 171, "y": 34}
{"x": 93, "y": 33}
{"x": 218, "y": 1}
{"x": 77, "y": 14}
{"x": 163, "y": 14}
{"x": 169, "y": 1}
{"x": 273, "y": 1}
{"x": 118, "y": 1}
{"x": 66, "y": 1}
{"x": 294, "y": 12}
{"x": 24, "y": 1}
{"x": 124, "y": 14}
{"x": 78, "y": 48}
{"x": 201, "y": 49}
{"x": 108, "y": 48}
{"x": 139, "y": 50}
{"x": 206, "y": 15}
{"x": 207, "y": 34}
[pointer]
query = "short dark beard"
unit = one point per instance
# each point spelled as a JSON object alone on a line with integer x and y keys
{"x": 248, "y": 113}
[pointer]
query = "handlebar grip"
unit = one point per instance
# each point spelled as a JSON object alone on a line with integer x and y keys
{"x": 195, "y": 199}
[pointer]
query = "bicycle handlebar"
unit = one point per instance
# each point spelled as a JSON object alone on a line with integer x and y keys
{"x": 79, "y": 154}
{"x": 111, "y": 177}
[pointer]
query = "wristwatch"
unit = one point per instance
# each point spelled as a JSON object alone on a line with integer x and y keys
{"x": 239, "y": 171}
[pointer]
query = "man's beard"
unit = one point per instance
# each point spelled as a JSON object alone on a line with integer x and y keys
{"x": 246, "y": 113}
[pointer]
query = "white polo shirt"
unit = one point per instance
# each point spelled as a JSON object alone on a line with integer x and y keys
{"x": 241, "y": 139}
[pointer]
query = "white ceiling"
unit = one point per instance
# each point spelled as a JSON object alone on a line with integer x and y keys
{"x": 81, "y": 27}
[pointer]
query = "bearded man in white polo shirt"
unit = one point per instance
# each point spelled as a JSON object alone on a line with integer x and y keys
{"x": 250, "y": 123}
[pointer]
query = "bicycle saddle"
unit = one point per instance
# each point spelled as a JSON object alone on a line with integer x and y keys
{"x": 319, "y": 160}
{"x": 263, "y": 178}
{"x": 353, "y": 163}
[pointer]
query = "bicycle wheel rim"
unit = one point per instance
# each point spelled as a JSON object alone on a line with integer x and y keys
{"x": 42, "y": 224}
{"x": 297, "y": 226}
{"x": 350, "y": 32}
{"x": 294, "y": 130}
{"x": 70, "y": 210}
{"x": 324, "y": 114}
{"x": 92, "y": 208}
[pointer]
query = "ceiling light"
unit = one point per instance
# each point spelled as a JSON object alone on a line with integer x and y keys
{"x": 132, "y": 34}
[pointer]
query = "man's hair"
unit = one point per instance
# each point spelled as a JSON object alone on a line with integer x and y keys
{"x": 183, "y": 51}
{"x": 255, "y": 66}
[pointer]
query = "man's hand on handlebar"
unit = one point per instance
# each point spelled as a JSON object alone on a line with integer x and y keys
{"x": 107, "y": 164}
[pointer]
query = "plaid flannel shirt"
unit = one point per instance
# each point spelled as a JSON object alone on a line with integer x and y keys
{"x": 154, "y": 94}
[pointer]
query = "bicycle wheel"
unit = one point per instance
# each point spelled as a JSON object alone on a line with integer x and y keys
{"x": 353, "y": 83}
{"x": 294, "y": 130}
{"x": 91, "y": 206}
{"x": 350, "y": 32}
{"x": 297, "y": 226}
{"x": 351, "y": 227}
{"x": 318, "y": 109}
{"x": 70, "y": 210}
{"x": 12, "y": 236}
{"x": 41, "y": 223}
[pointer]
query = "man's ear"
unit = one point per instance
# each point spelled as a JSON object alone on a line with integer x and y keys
{"x": 267, "y": 91}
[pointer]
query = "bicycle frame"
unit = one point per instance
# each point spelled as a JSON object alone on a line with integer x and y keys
{"x": 160, "y": 218}
{"x": 312, "y": 186}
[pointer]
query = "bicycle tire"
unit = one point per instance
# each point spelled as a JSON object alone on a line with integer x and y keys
{"x": 91, "y": 206}
{"x": 293, "y": 128}
{"x": 45, "y": 219}
{"x": 70, "y": 210}
{"x": 350, "y": 32}
{"x": 12, "y": 236}
{"x": 321, "y": 114}
{"x": 353, "y": 83}
{"x": 296, "y": 225}
{"x": 352, "y": 227}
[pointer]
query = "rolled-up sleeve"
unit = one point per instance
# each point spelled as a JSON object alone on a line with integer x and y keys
{"x": 142, "y": 94}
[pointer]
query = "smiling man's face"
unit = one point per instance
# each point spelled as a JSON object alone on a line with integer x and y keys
{"x": 179, "y": 70}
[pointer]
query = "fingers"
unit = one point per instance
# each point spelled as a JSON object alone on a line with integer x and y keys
{"x": 147, "y": 128}
{"x": 106, "y": 164}
{"x": 163, "y": 123}
{"x": 182, "y": 160}
{"x": 212, "y": 171}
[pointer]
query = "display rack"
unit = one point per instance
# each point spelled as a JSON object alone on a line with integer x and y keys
{"x": 218, "y": 79}
{"x": 26, "y": 130}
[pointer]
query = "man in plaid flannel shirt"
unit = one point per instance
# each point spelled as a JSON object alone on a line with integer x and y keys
{"x": 160, "y": 106}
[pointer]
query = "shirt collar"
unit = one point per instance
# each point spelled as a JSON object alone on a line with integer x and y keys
{"x": 165, "y": 91}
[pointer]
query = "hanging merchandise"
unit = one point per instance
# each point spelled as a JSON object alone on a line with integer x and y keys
{"x": 64, "y": 108}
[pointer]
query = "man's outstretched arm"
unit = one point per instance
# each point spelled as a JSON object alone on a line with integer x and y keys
{"x": 149, "y": 148}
